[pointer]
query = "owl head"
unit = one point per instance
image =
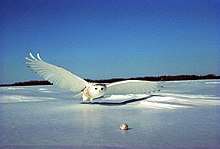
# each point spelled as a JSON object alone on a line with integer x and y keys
{"x": 97, "y": 90}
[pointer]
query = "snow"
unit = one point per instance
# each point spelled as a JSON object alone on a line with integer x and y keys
{"x": 185, "y": 114}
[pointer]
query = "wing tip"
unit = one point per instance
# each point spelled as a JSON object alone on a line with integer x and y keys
{"x": 32, "y": 58}
{"x": 31, "y": 55}
{"x": 38, "y": 56}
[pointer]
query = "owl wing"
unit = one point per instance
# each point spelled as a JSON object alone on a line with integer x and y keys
{"x": 131, "y": 87}
{"x": 55, "y": 74}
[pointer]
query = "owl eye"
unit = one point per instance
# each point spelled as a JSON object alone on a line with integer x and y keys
{"x": 102, "y": 88}
{"x": 96, "y": 88}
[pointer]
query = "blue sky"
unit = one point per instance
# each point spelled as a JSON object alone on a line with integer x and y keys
{"x": 101, "y": 39}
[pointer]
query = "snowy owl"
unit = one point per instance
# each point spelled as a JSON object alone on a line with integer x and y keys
{"x": 89, "y": 91}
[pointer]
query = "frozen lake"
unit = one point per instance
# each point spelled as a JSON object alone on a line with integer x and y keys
{"x": 185, "y": 114}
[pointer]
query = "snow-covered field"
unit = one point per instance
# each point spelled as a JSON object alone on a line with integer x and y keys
{"x": 185, "y": 114}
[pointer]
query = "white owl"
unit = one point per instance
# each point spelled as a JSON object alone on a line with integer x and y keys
{"x": 89, "y": 91}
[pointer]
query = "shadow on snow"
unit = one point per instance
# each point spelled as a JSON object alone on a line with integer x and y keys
{"x": 111, "y": 103}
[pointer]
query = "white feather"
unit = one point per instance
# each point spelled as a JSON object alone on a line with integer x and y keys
{"x": 38, "y": 56}
{"x": 131, "y": 87}
{"x": 56, "y": 75}
{"x": 32, "y": 56}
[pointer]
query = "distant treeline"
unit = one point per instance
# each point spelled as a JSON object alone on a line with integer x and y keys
{"x": 28, "y": 83}
{"x": 160, "y": 78}
{"x": 151, "y": 78}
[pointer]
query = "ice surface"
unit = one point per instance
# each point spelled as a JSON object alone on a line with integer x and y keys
{"x": 185, "y": 114}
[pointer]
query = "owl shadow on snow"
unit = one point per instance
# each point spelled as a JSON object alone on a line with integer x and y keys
{"x": 111, "y": 103}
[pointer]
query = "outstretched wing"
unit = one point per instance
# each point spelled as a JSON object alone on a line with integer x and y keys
{"x": 131, "y": 87}
{"x": 56, "y": 75}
